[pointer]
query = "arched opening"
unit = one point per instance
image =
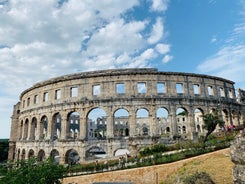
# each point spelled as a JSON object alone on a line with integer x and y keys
{"x": 122, "y": 152}
{"x": 225, "y": 117}
{"x": 95, "y": 152}
{"x": 161, "y": 121}
{"x": 41, "y": 156}
{"x": 56, "y": 127}
{"x": 54, "y": 154}
{"x": 30, "y": 154}
{"x": 182, "y": 120}
{"x": 96, "y": 124}
{"x": 33, "y": 132}
{"x": 26, "y": 129}
{"x": 198, "y": 116}
{"x": 44, "y": 127}
{"x": 120, "y": 123}
{"x": 23, "y": 154}
{"x": 234, "y": 118}
{"x": 142, "y": 122}
{"x": 74, "y": 125}
{"x": 18, "y": 155}
{"x": 72, "y": 157}
{"x": 21, "y": 130}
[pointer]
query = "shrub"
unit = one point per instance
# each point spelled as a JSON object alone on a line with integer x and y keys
{"x": 198, "y": 178}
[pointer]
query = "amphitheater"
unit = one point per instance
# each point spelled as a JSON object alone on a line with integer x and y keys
{"x": 91, "y": 115}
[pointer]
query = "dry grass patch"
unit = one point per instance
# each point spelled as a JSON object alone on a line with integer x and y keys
{"x": 217, "y": 165}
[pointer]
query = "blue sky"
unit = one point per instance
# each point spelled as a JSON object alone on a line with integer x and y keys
{"x": 49, "y": 38}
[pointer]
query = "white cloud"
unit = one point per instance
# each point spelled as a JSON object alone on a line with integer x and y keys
{"x": 228, "y": 62}
{"x": 159, "y": 5}
{"x": 167, "y": 58}
{"x": 44, "y": 39}
{"x": 157, "y": 31}
{"x": 163, "y": 48}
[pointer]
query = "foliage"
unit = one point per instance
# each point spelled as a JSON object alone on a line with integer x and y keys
{"x": 198, "y": 178}
{"x": 4, "y": 146}
{"x": 211, "y": 120}
{"x": 27, "y": 172}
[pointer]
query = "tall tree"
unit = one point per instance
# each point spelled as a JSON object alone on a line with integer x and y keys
{"x": 211, "y": 120}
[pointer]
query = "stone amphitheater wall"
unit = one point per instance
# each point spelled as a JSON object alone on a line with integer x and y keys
{"x": 41, "y": 121}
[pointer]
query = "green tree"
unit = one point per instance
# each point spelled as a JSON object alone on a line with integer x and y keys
{"x": 4, "y": 146}
{"x": 211, "y": 120}
{"x": 31, "y": 171}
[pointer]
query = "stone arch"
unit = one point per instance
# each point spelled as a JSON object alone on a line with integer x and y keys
{"x": 33, "y": 132}
{"x": 95, "y": 152}
{"x": 121, "y": 152}
{"x": 162, "y": 121}
{"x": 43, "y": 127}
{"x": 54, "y": 154}
{"x": 225, "y": 117}
{"x": 73, "y": 125}
{"x": 142, "y": 122}
{"x": 198, "y": 118}
{"x": 41, "y": 155}
{"x": 72, "y": 157}
{"x": 18, "y": 154}
{"x": 26, "y": 125}
{"x": 21, "y": 129}
{"x": 121, "y": 123}
{"x": 235, "y": 118}
{"x": 182, "y": 120}
{"x": 23, "y": 154}
{"x": 31, "y": 153}
{"x": 56, "y": 126}
{"x": 96, "y": 124}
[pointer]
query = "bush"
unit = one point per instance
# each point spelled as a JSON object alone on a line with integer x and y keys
{"x": 198, "y": 178}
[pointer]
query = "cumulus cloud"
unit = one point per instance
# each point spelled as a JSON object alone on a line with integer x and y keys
{"x": 228, "y": 62}
{"x": 159, "y": 5}
{"x": 167, "y": 58}
{"x": 157, "y": 32}
{"x": 49, "y": 38}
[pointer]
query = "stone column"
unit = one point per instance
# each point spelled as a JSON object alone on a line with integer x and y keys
{"x": 109, "y": 120}
{"x": 29, "y": 129}
{"x": 83, "y": 124}
{"x": 173, "y": 121}
{"x": 50, "y": 122}
{"x": 38, "y": 129}
{"x": 64, "y": 125}
{"x": 132, "y": 123}
{"x": 191, "y": 124}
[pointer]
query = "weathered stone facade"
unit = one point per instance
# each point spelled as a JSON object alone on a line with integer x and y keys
{"x": 53, "y": 118}
{"x": 238, "y": 158}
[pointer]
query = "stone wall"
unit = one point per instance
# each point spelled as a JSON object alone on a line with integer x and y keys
{"x": 238, "y": 157}
{"x": 43, "y": 121}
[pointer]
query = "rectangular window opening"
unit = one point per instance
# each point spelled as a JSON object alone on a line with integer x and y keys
{"x": 35, "y": 99}
{"x": 45, "y": 97}
{"x": 57, "y": 94}
{"x": 196, "y": 89}
{"x": 74, "y": 91}
{"x": 160, "y": 87}
{"x": 96, "y": 90}
{"x": 222, "y": 92}
{"x": 210, "y": 91}
{"x": 179, "y": 88}
{"x": 120, "y": 88}
{"x": 141, "y": 86}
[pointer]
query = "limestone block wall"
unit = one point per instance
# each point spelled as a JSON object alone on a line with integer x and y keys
{"x": 238, "y": 158}
{"x": 52, "y": 118}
